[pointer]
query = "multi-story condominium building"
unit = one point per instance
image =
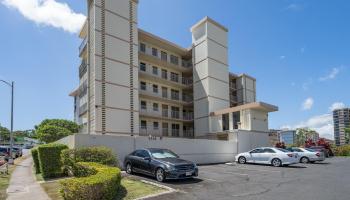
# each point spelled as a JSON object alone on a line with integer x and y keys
{"x": 341, "y": 119}
{"x": 136, "y": 83}
{"x": 288, "y": 136}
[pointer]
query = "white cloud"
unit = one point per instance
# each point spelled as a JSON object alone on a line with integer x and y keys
{"x": 48, "y": 13}
{"x": 335, "y": 71}
{"x": 323, "y": 124}
{"x": 336, "y": 105}
{"x": 282, "y": 57}
{"x": 306, "y": 85}
{"x": 308, "y": 103}
{"x": 302, "y": 50}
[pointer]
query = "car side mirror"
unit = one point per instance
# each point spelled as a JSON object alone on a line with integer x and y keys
{"x": 147, "y": 158}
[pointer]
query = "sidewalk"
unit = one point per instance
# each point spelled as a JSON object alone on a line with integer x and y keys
{"x": 23, "y": 185}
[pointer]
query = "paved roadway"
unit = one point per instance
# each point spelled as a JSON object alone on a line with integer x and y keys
{"x": 329, "y": 180}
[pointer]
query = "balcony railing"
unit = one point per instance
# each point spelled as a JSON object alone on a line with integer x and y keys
{"x": 184, "y": 99}
{"x": 82, "y": 46}
{"x": 166, "y": 132}
{"x": 184, "y": 63}
{"x": 165, "y": 114}
{"x": 188, "y": 133}
{"x": 82, "y": 68}
{"x": 176, "y": 79}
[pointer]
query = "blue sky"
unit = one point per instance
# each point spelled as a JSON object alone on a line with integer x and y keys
{"x": 299, "y": 52}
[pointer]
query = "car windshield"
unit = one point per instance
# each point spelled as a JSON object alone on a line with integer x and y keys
{"x": 163, "y": 153}
{"x": 283, "y": 150}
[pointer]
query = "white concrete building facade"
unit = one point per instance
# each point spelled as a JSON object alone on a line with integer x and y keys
{"x": 135, "y": 83}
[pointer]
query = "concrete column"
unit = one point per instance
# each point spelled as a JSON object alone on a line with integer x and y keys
{"x": 230, "y": 118}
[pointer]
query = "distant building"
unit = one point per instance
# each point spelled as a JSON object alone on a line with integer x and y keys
{"x": 341, "y": 119}
{"x": 274, "y": 137}
{"x": 288, "y": 136}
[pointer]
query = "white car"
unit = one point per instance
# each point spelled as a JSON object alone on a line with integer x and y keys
{"x": 308, "y": 155}
{"x": 276, "y": 157}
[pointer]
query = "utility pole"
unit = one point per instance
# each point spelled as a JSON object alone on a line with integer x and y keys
{"x": 12, "y": 85}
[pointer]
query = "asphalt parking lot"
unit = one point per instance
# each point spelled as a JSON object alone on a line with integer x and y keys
{"x": 322, "y": 181}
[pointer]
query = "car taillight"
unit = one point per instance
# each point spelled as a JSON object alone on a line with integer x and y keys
{"x": 290, "y": 154}
{"x": 318, "y": 154}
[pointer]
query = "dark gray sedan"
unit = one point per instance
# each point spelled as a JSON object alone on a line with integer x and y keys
{"x": 160, "y": 163}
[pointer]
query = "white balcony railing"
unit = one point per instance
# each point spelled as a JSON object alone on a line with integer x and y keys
{"x": 186, "y": 81}
{"x": 184, "y": 63}
{"x": 173, "y": 97}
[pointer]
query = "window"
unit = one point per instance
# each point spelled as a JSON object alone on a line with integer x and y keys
{"x": 155, "y": 125}
{"x": 174, "y": 77}
{"x": 164, "y": 74}
{"x": 164, "y": 56}
{"x": 142, "y": 153}
{"x": 175, "y": 95}
{"x": 143, "y": 67}
{"x": 269, "y": 151}
{"x": 143, "y": 105}
{"x": 143, "y": 124}
{"x": 155, "y": 52}
{"x": 175, "y": 130}
{"x": 155, "y": 70}
{"x": 155, "y": 88}
{"x": 257, "y": 151}
{"x": 174, "y": 59}
{"x": 175, "y": 112}
{"x": 165, "y": 129}
{"x": 143, "y": 85}
{"x": 165, "y": 110}
{"x": 143, "y": 47}
{"x": 155, "y": 107}
{"x": 164, "y": 92}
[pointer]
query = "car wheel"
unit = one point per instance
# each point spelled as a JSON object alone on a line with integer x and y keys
{"x": 160, "y": 175}
{"x": 129, "y": 168}
{"x": 242, "y": 160}
{"x": 304, "y": 160}
{"x": 276, "y": 162}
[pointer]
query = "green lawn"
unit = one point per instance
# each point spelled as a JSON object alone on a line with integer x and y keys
{"x": 130, "y": 189}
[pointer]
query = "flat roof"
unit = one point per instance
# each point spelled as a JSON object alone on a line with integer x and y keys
{"x": 208, "y": 19}
{"x": 254, "y": 106}
{"x": 163, "y": 43}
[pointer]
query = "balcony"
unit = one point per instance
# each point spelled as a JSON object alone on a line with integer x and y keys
{"x": 83, "y": 109}
{"x": 82, "y": 46}
{"x": 172, "y": 115}
{"x": 165, "y": 132}
{"x": 186, "y": 99}
{"x": 185, "y": 66}
{"x": 176, "y": 81}
{"x": 82, "y": 68}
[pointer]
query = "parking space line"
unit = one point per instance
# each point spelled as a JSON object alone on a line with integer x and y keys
{"x": 262, "y": 170}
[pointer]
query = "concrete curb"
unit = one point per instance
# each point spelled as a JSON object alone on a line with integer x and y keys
{"x": 169, "y": 190}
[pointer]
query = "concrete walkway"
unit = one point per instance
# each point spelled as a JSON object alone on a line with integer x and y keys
{"x": 23, "y": 185}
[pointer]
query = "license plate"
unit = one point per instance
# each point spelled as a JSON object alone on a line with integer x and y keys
{"x": 188, "y": 173}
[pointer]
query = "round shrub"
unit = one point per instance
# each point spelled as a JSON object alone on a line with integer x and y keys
{"x": 50, "y": 133}
{"x": 98, "y": 182}
{"x": 102, "y": 155}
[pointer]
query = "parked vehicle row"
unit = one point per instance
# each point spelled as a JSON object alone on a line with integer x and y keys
{"x": 278, "y": 157}
{"x": 5, "y": 151}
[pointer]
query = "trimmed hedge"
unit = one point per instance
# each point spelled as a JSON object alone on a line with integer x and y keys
{"x": 94, "y": 182}
{"x": 101, "y": 155}
{"x": 36, "y": 160}
{"x": 342, "y": 150}
{"x": 50, "y": 159}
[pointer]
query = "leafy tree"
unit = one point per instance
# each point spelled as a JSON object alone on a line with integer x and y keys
{"x": 347, "y": 135}
{"x": 4, "y": 134}
{"x": 50, "y": 133}
{"x": 71, "y": 126}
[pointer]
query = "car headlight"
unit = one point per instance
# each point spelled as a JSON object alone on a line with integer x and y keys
{"x": 170, "y": 167}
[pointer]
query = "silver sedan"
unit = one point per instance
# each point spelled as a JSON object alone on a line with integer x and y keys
{"x": 268, "y": 155}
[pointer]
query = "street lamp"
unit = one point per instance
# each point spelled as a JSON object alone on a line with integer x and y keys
{"x": 12, "y": 85}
